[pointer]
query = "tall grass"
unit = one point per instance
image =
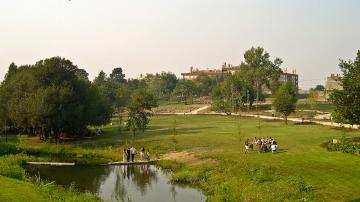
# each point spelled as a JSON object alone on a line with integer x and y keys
{"x": 10, "y": 166}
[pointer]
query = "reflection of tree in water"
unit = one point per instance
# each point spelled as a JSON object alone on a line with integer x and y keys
{"x": 142, "y": 176}
{"x": 119, "y": 193}
{"x": 95, "y": 178}
{"x": 87, "y": 178}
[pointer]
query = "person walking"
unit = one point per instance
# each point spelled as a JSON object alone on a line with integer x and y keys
{"x": 133, "y": 153}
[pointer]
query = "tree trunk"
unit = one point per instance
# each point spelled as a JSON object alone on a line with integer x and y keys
{"x": 6, "y": 138}
{"x": 120, "y": 118}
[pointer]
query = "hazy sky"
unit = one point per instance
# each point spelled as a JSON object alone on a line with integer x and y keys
{"x": 146, "y": 36}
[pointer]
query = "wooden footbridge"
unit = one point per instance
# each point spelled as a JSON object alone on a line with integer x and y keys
{"x": 73, "y": 164}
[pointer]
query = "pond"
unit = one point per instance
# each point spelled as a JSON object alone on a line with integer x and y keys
{"x": 119, "y": 183}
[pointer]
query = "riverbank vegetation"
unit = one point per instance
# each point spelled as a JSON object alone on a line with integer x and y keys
{"x": 62, "y": 116}
{"x": 217, "y": 164}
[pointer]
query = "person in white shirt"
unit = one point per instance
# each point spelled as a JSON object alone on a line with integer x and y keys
{"x": 133, "y": 153}
{"x": 273, "y": 147}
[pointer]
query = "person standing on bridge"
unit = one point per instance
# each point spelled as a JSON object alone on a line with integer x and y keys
{"x": 125, "y": 155}
{"x": 128, "y": 154}
{"x": 133, "y": 153}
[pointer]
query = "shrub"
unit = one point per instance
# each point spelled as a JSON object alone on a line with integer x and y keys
{"x": 6, "y": 149}
{"x": 10, "y": 166}
{"x": 345, "y": 146}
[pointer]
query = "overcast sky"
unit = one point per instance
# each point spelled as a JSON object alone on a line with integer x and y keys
{"x": 147, "y": 36}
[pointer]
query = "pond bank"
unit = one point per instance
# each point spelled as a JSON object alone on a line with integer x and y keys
{"x": 119, "y": 182}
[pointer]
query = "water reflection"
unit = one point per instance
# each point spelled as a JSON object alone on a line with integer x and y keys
{"x": 120, "y": 183}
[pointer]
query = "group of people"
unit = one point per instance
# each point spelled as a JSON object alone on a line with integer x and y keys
{"x": 130, "y": 153}
{"x": 264, "y": 144}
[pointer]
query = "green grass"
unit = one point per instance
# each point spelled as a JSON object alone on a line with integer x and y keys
{"x": 15, "y": 190}
{"x": 333, "y": 175}
{"x": 326, "y": 107}
{"x": 302, "y": 170}
{"x": 16, "y": 186}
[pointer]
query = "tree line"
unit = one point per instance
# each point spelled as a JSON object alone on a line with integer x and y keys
{"x": 54, "y": 98}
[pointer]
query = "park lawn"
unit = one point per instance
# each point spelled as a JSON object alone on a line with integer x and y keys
{"x": 302, "y": 170}
{"x": 14, "y": 190}
{"x": 334, "y": 176}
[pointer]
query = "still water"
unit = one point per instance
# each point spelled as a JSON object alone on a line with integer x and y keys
{"x": 145, "y": 183}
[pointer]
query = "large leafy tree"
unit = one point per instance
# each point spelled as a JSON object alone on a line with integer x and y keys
{"x": 51, "y": 99}
{"x": 206, "y": 84}
{"x": 185, "y": 91}
{"x": 285, "y": 99}
{"x": 122, "y": 98}
{"x": 257, "y": 72}
{"x": 139, "y": 109}
{"x": 168, "y": 83}
{"x": 108, "y": 86}
{"x": 347, "y": 100}
{"x": 117, "y": 75}
{"x": 227, "y": 97}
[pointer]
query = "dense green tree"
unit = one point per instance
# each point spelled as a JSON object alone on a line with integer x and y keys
{"x": 141, "y": 103}
{"x": 285, "y": 99}
{"x": 117, "y": 75}
{"x": 206, "y": 84}
{"x": 168, "y": 83}
{"x": 108, "y": 85}
{"x": 227, "y": 97}
{"x": 319, "y": 88}
{"x": 134, "y": 84}
{"x": 82, "y": 74}
{"x": 161, "y": 85}
{"x": 50, "y": 99}
{"x": 122, "y": 98}
{"x": 101, "y": 78}
{"x": 257, "y": 72}
{"x": 11, "y": 71}
{"x": 347, "y": 100}
{"x": 185, "y": 91}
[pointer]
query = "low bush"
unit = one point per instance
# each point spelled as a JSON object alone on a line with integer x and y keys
{"x": 344, "y": 145}
{"x": 10, "y": 166}
{"x": 6, "y": 149}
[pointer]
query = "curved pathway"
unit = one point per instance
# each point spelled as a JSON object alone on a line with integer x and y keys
{"x": 297, "y": 120}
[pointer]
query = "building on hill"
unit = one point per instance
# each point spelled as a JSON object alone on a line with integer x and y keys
{"x": 228, "y": 68}
{"x": 333, "y": 83}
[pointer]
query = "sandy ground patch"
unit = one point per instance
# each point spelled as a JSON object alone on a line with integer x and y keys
{"x": 186, "y": 157}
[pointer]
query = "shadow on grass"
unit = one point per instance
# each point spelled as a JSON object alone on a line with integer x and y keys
{"x": 344, "y": 129}
{"x": 280, "y": 151}
{"x": 114, "y": 137}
